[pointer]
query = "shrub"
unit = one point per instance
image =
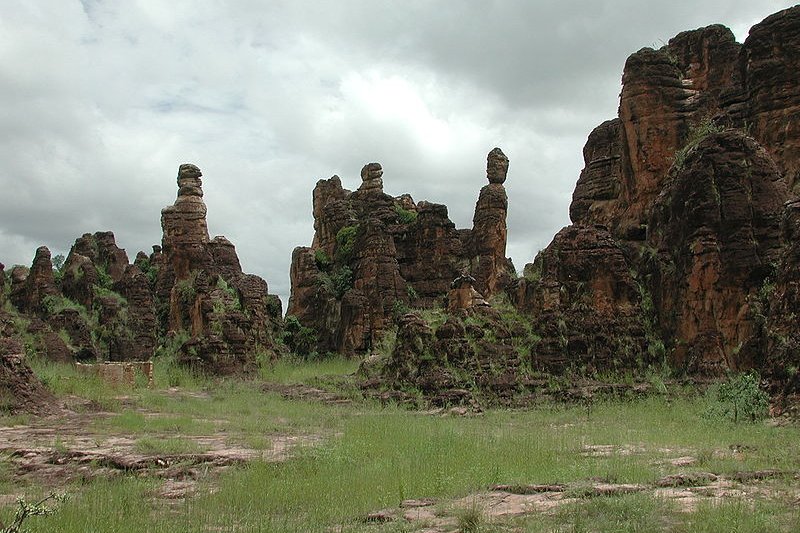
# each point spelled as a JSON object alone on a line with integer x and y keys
{"x": 25, "y": 510}
{"x": 300, "y": 339}
{"x": 697, "y": 133}
{"x": 740, "y": 398}
{"x": 345, "y": 243}
{"x": 322, "y": 260}
{"x": 342, "y": 279}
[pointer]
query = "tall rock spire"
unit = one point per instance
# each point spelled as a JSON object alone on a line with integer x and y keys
{"x": 489, "y": 231}
{"x": 184, "y": 224}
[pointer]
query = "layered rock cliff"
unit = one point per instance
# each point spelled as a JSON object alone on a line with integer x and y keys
{"x": 373, "y": 255}
{"x": 686, "y": 188}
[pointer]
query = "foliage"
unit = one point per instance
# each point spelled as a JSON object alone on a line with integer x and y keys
{"x": 236, "y": 303}
{"x": 148, "y": 269}
{"x": 345, "y": 243}
{"x": 101, "y": 292}
{"x": 697, "y": 133}
{"x": 342, "y": 279}
{"x": 104, "y": 278}
{"x": 405, "y": 216}
{"x": 337, "y": 282}
{"x": 26, "y": 510}
{"x": 54, "y": 304}
{"x": 58, "y": 267}
{"x": 471, "y": 519}
{"x": 186, "y": 288}
{"x": 740, "y": 398}
{"x": 322, "y": 260}
{"x": 412, "y": 292}
{"x": 300, "y": 339}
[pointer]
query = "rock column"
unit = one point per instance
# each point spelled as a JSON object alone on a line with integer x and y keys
{"x": 489, "y": 233}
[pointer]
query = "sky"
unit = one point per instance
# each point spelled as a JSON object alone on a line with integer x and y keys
{"x": 102, "y": 100}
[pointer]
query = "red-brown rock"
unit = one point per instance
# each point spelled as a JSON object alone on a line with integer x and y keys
{"x": 716, "y": 227}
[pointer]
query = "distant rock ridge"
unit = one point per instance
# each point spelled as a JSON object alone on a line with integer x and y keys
{"x": 373, "y": 255}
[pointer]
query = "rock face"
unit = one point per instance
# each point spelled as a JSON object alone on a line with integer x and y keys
{"x": 373, "y": 255}
{"x": 686, "y": 190}
{"x": 456, "y": 356}
{"x": 585, "y": 304}
{"x": 489, "y": 235}
{"x": 716, "y": 229}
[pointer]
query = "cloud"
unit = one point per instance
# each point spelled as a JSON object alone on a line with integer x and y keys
{"x": 103, "y": 101}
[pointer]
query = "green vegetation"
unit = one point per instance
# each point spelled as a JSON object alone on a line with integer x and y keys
{"x": 300, "y": 339}
{"x": 148, "y": 269}
{"x": 186, "y": 288}
{"x": 376, "y": 457}
{"x": 697, "y": 133}
{"x": 167, "y": 446}
{"x": 405, "y": 216}
{"x": 345, "y": 244}
{"x": 322, "y": 260}
{"x": 740, "y": 398}
{"x": 56, "y": 304}
{"x": 337, "y": 282}
{"x": 58, "y": 267}
{"x": 27, "y": 510}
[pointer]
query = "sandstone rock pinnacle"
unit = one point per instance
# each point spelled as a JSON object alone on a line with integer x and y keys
{"x": 371, "y": 177}
{"x": 496, "y": 166}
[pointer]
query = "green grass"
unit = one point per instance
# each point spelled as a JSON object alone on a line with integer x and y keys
{"x": 64, "y": 379}
{"x": 167, "y": 446}
{"x": 374, "y": 457}
{"x": 288, "y": 371}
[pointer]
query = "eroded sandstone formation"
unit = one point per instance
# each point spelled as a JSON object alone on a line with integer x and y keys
{"x": 228, "y": 315}
{"x": 687, "y": 188}
{"x": 373, "y": 255}
{"x": 190, "y": 293}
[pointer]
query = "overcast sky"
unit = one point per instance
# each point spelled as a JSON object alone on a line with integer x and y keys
{"x": 102, "y": 100}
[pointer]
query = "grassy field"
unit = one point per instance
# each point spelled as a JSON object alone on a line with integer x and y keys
{"x": 374, "y": 457}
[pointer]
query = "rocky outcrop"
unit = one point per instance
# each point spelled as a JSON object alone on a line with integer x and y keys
{"x": 31, "y": 288}
{"x": 591, "y": 313}
{"x": 20, "y": 389}
{"x": 228, "y": 315}
{"x": 455, "y": 357}
{"x": 686, "y": 188}
{"x": 716, "y": 230}
{"x": 373, "y": 255}
{"x": 489, "y": 264}
{"x": 769, "y": 60}
{"x": 98, "y": 306}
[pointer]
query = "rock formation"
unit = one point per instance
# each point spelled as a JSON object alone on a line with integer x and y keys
{"x": 20, "y": 389}
{"x": 686, "y": 188}
{"x": 98, "y": 306}
{"x": 489, "y": 233}
{"x": 228, "y": 315}
{"x": 373, "y": 255}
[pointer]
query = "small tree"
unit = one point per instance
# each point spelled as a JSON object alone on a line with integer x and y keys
{"x": 741, "y": 398}
{"x": 26, "y": 510}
